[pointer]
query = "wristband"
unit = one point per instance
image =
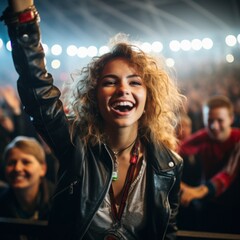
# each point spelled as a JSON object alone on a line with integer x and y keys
{"x": 13, "y": 18}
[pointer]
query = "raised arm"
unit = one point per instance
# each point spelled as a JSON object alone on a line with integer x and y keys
{"x": 39, "y": 96}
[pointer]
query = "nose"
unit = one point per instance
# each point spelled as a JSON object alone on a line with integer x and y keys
{"x": 214, "y": 125}
{"x": 123, "y": 89}
{"x": 18, "y": 166}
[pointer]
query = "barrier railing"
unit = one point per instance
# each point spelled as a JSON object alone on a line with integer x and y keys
{"x": 36, "y": 227}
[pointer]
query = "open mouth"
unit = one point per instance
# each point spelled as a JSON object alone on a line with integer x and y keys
{"x": 124, "y": 106}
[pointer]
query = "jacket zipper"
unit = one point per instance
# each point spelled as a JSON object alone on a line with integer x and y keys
{"x": 70, "y": 187}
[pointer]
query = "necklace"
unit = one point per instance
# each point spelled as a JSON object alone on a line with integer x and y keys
{"x": 116, "y": 163}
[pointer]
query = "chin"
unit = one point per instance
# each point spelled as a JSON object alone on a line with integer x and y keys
{"x": 18, "y": 185}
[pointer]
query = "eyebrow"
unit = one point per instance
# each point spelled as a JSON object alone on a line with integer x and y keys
{"x": 115, "y": 76}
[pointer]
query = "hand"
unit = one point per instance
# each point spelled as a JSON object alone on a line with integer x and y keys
{"x": 20, "y": 5}
{"x": 10, "y": 96}
{"x": 189, "y": 193}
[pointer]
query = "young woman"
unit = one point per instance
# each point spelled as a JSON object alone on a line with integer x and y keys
{"x": 118, "y": 175}
{"x": 28, "y": 194}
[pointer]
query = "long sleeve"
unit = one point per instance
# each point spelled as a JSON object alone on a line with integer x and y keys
{"x": 40, "y": 98}
{"x": 220, "y": 182}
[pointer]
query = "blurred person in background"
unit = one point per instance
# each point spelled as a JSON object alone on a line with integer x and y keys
{"x": 188, "y": 216}
{"x": 15, "y": 122}
{"x": 216, "y": 149}
{"x": 28, "y": 193}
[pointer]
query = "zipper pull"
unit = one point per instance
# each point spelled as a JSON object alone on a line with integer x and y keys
{"x": 71, "y": 187}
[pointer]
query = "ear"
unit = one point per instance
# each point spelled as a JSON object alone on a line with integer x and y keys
{"x": 43, "y": 170}
{"x": 232, "y": 119}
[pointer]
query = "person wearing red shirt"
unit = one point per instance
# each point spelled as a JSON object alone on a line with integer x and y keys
{"x": 217, "y": 149}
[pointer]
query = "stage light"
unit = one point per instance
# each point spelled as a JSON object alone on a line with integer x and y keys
{"x": 72, "y": 50}
{"x": 146, "y": 47}
{"x": 157, "y": 46}
{"x": 230, "y": 40}
{"x": 238, "y": 38}
{"x": 55, "y": 64}
{"x": 229, "y": 58}
{"x": 9, "y": 46}
{"x": 1, "y": 43}
{"x": 56, "y": 49}
{"x": 207, "y": 43}
{"x": 102, "y": 50}
{"x": 82, "y": 52}
{"x": 45, "y": 48}
{"x": 185, "y": 45}
{"x": 174, "y": 45}
{"x": 170, "y": 62}
{"x": 92, "y": 51}
{"x": 196, "y": 44}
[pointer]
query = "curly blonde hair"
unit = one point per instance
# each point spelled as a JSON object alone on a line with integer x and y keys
{"x": 162, "y": 105}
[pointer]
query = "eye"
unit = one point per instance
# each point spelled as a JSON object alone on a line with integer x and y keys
{"x": 11, "y": 162}
{"x": 136, "y": 82}
{"x": 108, "y": 82}
{"x": 26, "y": 162}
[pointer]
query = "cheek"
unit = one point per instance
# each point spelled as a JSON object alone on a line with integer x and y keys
{"x": 8, "y": 170}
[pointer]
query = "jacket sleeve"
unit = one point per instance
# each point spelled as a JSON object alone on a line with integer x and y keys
{"x": 40, "y": 98}
{"x": 174, "y": 200}
{"x": 222, "y": 180}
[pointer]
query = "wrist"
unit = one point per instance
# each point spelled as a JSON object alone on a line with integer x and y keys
{"x": 29, "y": 14}
{"x": 19, "y": 6}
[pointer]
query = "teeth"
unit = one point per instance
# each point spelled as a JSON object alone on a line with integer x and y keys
{"x": 18, "y": 177}
{"x": 125, "y": 103}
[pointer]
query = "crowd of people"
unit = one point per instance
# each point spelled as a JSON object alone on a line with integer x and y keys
{"x": 104, "y": 163}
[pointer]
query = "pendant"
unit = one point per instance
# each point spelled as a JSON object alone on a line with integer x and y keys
{"x": 111, "y": 237}
{"x": 114, "y": 176}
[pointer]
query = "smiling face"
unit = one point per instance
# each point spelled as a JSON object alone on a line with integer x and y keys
{"x": 23, "y": 170}
{"x": 219, "y": 123}
{"x": 121, "y": 94}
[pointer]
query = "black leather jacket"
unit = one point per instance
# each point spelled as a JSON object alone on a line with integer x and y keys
{"x": 85, "y": 176}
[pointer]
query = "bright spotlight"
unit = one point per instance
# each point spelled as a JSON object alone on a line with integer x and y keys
{"x": 207, "y": 43}
{"x": 174, "y": 45}
{"x": 230, "y": 58}
{"x": 231, "y": 40}
{"x": 72, "y": 50}
{"x": 82, "y": 52}
{"x": 55, "y": 64}
{"x": 1, "y": 43}
{"x": 170, "y": 62}
{"x": 9, "y": 46}
{"x": 45, "y": 48}
{"x": 196, "y": 44}
{"x": 92, "y": 51}
{"x": 157, "y": 46}
{"x": 238, "y": 38}
{"x": 185, "y": 45}
{"x": 146, "y": 47}
{"x": 102, "y": 50}
{"x": 56, "y": 49}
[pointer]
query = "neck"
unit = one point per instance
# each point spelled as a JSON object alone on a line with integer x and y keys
{"x": 121, "y": 138}
{"x": 27, "y": 198}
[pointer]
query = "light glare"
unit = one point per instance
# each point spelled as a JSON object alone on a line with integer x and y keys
{"x": 55, "y": 64}
{"x": 207, "y": 43}
{"x": 56, "y": 49}
{"x": 174, "y": 45}
{"x": 72, "y": 50}
{"x": 230, "y": 58}
{"x": 231, "y": 40}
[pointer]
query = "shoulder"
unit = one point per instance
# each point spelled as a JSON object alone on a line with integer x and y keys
{"x": 235, "y": 133}
{"x": 162, "y": 157}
